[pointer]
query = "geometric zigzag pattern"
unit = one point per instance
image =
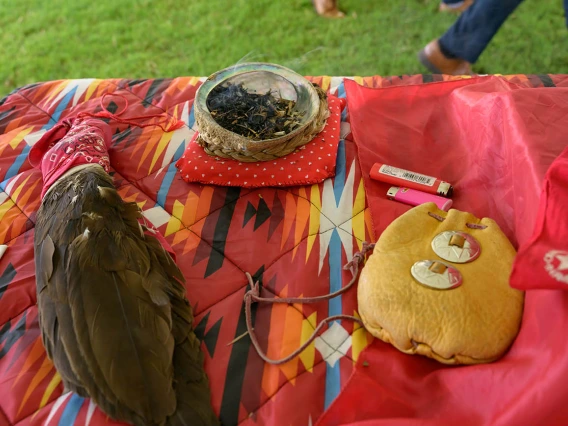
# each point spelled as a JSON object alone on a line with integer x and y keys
{"x": 294, "y": 241}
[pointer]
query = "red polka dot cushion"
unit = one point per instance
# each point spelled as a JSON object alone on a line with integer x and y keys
{"x": 309, "y": 164}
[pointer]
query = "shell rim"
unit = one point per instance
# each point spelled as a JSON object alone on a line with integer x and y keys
{"x": 230, "y": 72}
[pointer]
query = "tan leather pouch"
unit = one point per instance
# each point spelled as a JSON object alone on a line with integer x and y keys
{"x": 476, "y": 321}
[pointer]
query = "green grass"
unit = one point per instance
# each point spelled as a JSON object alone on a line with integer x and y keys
{"x": 46, "y": 40}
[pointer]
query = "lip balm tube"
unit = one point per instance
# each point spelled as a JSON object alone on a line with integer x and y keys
{"x": 415, "y": 198}
{"x": 412, "y": 180}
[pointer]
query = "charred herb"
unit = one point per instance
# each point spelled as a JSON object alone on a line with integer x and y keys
{"x": 252, "y": 115}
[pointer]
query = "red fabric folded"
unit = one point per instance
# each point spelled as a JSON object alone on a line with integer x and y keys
{"x": 542, "y": 263}
{"x": 309, "y": 164}
{"x": 494, "y": 141}
{"x": 491, "y": 139}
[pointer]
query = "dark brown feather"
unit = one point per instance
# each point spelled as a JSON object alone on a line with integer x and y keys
{"x": 112, "y": 305}
{"x": 192, "y": 403}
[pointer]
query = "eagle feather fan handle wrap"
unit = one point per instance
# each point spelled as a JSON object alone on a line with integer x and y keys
{"x": 112, "y": 308}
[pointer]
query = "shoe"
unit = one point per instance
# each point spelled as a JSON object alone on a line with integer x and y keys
{"x": 459, "y": 9}
{"x": 327, "y": 8}
{"x": 433, "y": 59}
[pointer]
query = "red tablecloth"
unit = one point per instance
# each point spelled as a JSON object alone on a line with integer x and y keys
{"x": 294, "y": 240}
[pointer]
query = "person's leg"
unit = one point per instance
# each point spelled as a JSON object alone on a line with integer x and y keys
{"x": 455, "y": 6}
{"x": 474, "y": 29}
{"x": 566, "y": 11}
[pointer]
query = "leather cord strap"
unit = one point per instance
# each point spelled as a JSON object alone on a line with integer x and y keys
{"x": 253, "y": 295}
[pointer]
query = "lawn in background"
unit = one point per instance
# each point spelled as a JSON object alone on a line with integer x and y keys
{"x": 47, "y": 40}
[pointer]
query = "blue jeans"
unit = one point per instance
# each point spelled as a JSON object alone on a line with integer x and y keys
{"x": 474, "y": 29}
